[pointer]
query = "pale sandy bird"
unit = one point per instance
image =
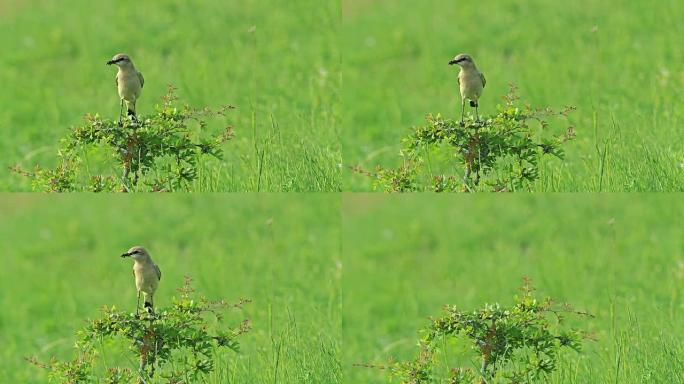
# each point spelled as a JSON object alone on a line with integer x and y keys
{"x": 471, "y": 82}
{"x": 147, "y": 276}
{"x": 129, "y": 82}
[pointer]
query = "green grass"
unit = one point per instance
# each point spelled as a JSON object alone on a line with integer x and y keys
{"x": 60, "y": 264}
{"x": 626, "y": 79}
{"x": 283, "y": 77}
{"x": 621, "y": 257}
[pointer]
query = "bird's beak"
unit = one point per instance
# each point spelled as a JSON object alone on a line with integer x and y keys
{"x": 125, "y": 254}
{"x": 452, "y": 62}
{"x": 110, "y": 62}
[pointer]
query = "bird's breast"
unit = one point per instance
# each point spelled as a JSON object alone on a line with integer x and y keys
{"x": 129, "y": 85}
{"x": 146, "y": 279}
{"x": 471, "y": 84}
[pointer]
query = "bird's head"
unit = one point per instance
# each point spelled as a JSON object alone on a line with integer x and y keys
{"x": 136, "y": 253}
{"x": 463, "y": 60}
{"x": 120, "y": 60}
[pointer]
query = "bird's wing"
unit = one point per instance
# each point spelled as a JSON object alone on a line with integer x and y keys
{"x": 484, "y": 81}
{"x": 142, "y": 79}
{"x": 156, "y": 269}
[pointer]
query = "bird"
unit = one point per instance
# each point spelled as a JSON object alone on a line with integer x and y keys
{"x": 470, "y": 80}
{"x": 129, "y": 82}
{"x": 147, "y": 276}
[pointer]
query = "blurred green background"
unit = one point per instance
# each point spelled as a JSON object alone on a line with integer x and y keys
{"x": 277, "y": 61}
{"x": 61, "y": 264}
{"x": 620, "y": 257}
{"x": 621, "y": 63}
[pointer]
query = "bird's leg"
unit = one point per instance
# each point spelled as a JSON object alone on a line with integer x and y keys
{"x": 477, "y": 115}
{"x": 121, "y": 113}
{"x": 462, "y": 110}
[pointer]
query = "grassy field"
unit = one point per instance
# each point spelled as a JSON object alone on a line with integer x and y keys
{"x": 276, "y": 61}
{"x": 619, "y": 63}
{"x": 621, "y": 257}
{"x": 60, "y": 264}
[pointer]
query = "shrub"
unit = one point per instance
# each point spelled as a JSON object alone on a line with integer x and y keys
{"x": 158, "y": 152}
{"x": 178, "y": 344}
{"x": 502, "y": 152}
{"x": 517, "y": 344}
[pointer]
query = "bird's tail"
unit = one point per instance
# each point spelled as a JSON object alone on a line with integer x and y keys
{"x": 149, "y": 303}
{"x": 131, "y": 108}
{"x": 473, "y": 103}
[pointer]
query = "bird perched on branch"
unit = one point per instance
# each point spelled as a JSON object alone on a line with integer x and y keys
{"x": 129, "y": 82}
{"x": 147, "y": 276}
{"x": 471, "y": 82}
